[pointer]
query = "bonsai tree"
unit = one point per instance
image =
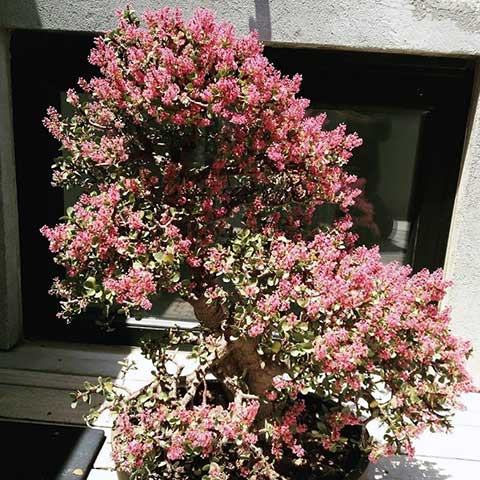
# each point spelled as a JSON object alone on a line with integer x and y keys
{"x": 203, "y": 177}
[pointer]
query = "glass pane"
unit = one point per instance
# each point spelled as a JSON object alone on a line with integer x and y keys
{"x": 385, "y": 166}
{"x": 168, "y": 310}
{"x": 71, "y": 195}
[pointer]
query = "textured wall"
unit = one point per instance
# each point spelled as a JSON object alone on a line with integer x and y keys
{"x": 401, "y": 25}
{"x": 10, "y": 297}
{"x": 421, "y": 26}
{"x": 463, "y": 252}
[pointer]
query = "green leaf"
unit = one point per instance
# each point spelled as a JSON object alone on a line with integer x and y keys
{"x": 321, "y": 427}
{"x": 90, "y": 283}
{"x": 285, "y": 326}
{"x": 163, "y": 396}
{"x": 276, "y": 346}
{"x": 271, "y": 281}
{"x": 164, "y": 258}
{"x": 302, "y": 302}
{"x": 306, "y": 347}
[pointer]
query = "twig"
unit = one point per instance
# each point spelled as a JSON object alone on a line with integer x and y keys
{"x": 131, "y": 397}
{"x": 190, "y": 395}
{"x": 205, "y": 391}
{"x": 240, "y": 396}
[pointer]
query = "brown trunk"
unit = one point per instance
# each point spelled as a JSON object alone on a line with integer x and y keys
{"x": 210, "y": 315}
{"x": 241, "y": 358}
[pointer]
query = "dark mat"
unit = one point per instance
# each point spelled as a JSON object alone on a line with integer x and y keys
{"x": 37, "y": 451}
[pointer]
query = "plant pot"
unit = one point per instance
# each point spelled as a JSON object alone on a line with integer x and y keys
{"x": 361, "y": 474}
{"x": 351, "y": 464}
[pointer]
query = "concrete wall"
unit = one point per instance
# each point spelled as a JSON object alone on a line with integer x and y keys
{"x": 462, "y": 264}
{"x": 433, "y": 27}
{"x": 10, "y": 295}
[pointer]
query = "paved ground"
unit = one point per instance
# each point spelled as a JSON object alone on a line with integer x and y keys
{"x": 36, "y": 378}
{"x": 453, "y": 456}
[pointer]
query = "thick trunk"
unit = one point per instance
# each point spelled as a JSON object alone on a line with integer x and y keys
{"x": 241, "y": 358}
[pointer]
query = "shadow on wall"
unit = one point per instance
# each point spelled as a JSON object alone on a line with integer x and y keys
{"x": 20, "y": 13}
{"x": 262, "y": 22}
{"x": 401, "y": 467}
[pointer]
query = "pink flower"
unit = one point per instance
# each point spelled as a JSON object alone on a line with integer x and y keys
{"x": 57, "y": 236}
{"x": 133, "y": 287}
{"x": 175, "y": 452}
{"x": 256, "y": 329}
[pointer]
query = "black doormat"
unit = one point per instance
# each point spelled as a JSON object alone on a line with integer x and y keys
{"x": 36, "y": 451}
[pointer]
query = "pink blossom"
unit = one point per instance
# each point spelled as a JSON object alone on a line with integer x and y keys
{"x": 133, "y": 287}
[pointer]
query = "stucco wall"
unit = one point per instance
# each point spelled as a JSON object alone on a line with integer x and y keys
{"x": 438, "y": 27}
{"x": 10, "y": 298}
{"x": 462, "y": 264}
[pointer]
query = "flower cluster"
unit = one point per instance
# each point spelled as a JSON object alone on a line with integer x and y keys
{"x": 156, "y": 433}
{"x": 115, "y": 251}
{"x": 196, "y": 77}
{"x": 348, "y": 328}
{"x": 133, "y": 287}
{"x": 285, "y": 432}
{"x": 175, "y": 433}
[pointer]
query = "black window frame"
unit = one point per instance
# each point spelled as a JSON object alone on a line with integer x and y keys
{"x": 45, "y": 63}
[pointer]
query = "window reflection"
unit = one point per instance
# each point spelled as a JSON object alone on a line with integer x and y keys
{"x": 385, "y": 167}
{"x": 168, "y": 310}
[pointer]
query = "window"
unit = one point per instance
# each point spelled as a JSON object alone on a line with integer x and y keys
{"x": 411, "y": 112}
{"x": 385, "y": 166}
